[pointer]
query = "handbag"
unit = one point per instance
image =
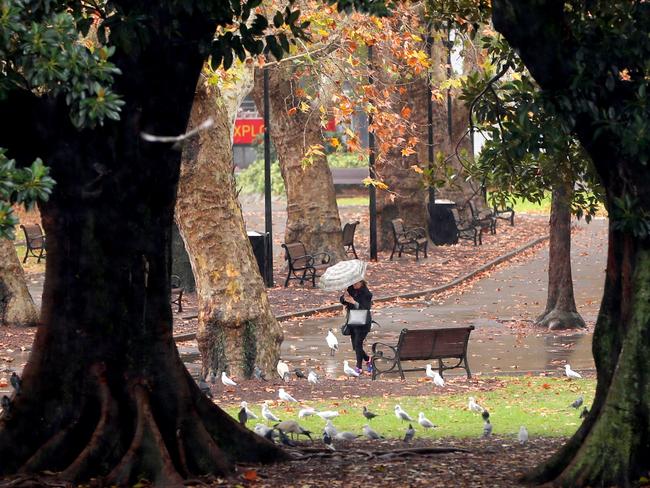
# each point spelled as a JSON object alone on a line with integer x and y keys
{"x": 355, "y": 318}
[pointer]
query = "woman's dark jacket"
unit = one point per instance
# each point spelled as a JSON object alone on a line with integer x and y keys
{"x": 362, "y": 296}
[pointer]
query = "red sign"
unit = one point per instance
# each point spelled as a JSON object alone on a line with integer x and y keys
{"x": 247, "y": 130}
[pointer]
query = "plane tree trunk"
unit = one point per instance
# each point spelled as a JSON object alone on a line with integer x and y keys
{"x": 560, "y": 312}
{"x": 312, "y": 212}
{"x": 16, "y": 304}
{"x": 105, "y": 393}
{"x": 236, "y": 328}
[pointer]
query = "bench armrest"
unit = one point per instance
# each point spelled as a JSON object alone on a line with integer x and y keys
{"x": 326, "y": 257}
{"x": 378, "y": 349}
{"x": 416, "y": 232}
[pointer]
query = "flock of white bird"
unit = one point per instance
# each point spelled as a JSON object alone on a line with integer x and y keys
{"x": 281, "y": 428}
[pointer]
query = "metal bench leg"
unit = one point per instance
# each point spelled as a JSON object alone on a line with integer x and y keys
{"x": 26, "y": 254}
{"x": 399, "y": 366}
{"x": 393, "y": 251}
{"x": 355, "y": 252}
{"x": 469, "y": 373}
{"x": 286, "y": 282}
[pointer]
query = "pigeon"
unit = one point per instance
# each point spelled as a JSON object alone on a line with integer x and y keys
{"x": 584, "y": 413}
{"x": 312, "y": 378}
{"x": 368, "y": 414}
{"x": 348, "y": 370}
{"x": 570, "y": 373}
{"x": 425, "y": 422}
{"x": 211, "y": 377}
{"x": 577, "y": 402}
{"x": 487, "y": 428}
{"x": 262, "y": 430}
{"x": 204, "y": 387}
{"x": 306, "y": 412}
{"x": 523, "y": 435}
{"x": 283, "y": 395}
{"x": 328, "y": 414}
{"x": 6, "y": 405}
{"x": 292, "y": 427}
{"x": 410, "y": 434}
{"x": 241, "y": 415}
{"x": 267, "y": 414}
{"x": 485, "y": 414}
{"x": 401, "y": 414}
{"x": 332, "y": 342}
{"x": 371, "y": 434}
{"x": 259, "y": 374}
{"x": 285, "y": 440}
{"x": 329, "y": 429}
{"x": 345, "y": 436}
{"x": 16, "y": 382}
{"x": 327, "y": 440}
{"x": 227, "y": 381}
{"x": 435, "y": 376}
{"x": 248, "y": 411}
{"x": 300, "y": 374}
{"x": 474, "y": 407}
{"x": 283, "y": 370}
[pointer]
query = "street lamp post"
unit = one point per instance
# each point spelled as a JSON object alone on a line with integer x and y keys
{"x": 268, "y": 215}
{"x": 372, "y": 191}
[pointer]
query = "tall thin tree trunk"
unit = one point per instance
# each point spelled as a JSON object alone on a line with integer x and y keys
{"x": 16, "y": 304}
{"x": 237, "y": 329}
{"x": 560, "y": 312}
{"x": 312, "y": 211}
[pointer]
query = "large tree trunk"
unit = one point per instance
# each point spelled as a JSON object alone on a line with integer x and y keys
{"x": 236, "y": 327}
{"x": 312, "y": 211}
{"x": 560, "y": 312}
{"x": 16, "y": 304}
{"x": 105, "y": 393}
{"x": 611, "y": 446}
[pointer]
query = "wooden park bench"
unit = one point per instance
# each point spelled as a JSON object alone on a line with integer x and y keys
{"x": 486, "y": 219}
{"x": 34, "y": 242}
{"x": 467, "y": 230}
{"x": 423, "y": 345}
{"x": 410, "y": 241}
{"x": 505, "y": 214}
{"x": 348, "y": 238}
{"x": 303, "y": 266}
{"x": 177, "y": 292}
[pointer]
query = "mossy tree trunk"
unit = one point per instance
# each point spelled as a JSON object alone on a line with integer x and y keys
{"x": 236, "y": 328}
{"x": 560, "y": 312}
{"x": 312, "y": 212}
{"x": 16, "y": 304}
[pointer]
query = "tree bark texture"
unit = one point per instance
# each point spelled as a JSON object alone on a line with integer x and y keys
{"x": 560, "y": 312}
{"x": 16, "y": 304}
{"x": 312, "y": 211}
{"x": 105, "y": 393}
{"x": 611, "y": 446}
{"x": 236, "y": 327}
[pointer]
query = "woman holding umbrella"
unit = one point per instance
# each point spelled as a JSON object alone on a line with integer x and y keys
{"x": 359, "y": 297}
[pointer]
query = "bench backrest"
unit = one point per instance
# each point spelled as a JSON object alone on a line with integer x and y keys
{"x": 431, "y": 343}
{"x": 398, "y": 227}
{"x": 348, "y": 232}
{"x": 33, "y": 235}
{"x": 294, "y": 253}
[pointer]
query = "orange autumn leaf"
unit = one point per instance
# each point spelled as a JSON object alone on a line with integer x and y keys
{"x": 250, "y": 475}
{"x": 407, "y": 151}
{"x": 292, "y": 110}
{"x": 546, "y": 386}
{"x": 406, "y": 112}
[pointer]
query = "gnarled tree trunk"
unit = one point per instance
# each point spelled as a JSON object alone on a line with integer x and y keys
{"x": 560, "y": 312}
{"x": 236, "y": 327}
{"x": 105, "y": 393}
{"x": 312, "y": 211}
{"x": 16, "y": 304}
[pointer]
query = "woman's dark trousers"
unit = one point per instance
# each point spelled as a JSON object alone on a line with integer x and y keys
{"x": 357, "y": 336}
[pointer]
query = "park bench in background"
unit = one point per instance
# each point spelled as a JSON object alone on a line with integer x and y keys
{"x": 505, "y": 214}
{"x": 348, "y": 238}
{"x": 423, "y": 345}
{"x": 486, "y": 219}
{"x": 34, "y": 242}
{"x": 467, "y": 230}
{"x": 409, "y": 241}
{"x": 303, "y": 266}
{"x": 177, "y": 292}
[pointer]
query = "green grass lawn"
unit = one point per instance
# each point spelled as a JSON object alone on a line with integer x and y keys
{"x": 541, "y": 404}
{"x": 352, "y": 201}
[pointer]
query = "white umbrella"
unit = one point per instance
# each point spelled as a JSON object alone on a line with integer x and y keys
{"x": 342, "y": 274}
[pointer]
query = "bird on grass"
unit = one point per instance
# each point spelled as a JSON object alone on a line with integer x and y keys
{"x": 570, "y": 373}
{"x": 435, "y": 376}
{"x": 401, "y": 414}
{"x": 263, "y": 431}
{"x": 577, "y": 402}
{"x": 329, "y": 429}
{"x": 584, "y": 413}
{"x": 345, "y": 436}
{"x": 371, "y": 434}
{"x": 487, "y": 428}
{"x": 259, "y": 374}
{"x": 284, "y": 396}
{"x": 249, "y": 413}
{"x": 241, "y": 416}
{"x": 425, "y": 422}
{"x": 306, "y": 412}
{"x": 312, "y": 377}
{"x": 327, "y": 440}
{"x": 292, "y": 427}
{"x": 300, "y": 374}
{"x": 267, "y": 414}
{"x": 16, "y": 382}
{"x": 327, "y": 414}
{"x": 204, "y": 387}
{"x": 368, "y": 414}
{"x": 212, "y": 377}
{"x": 485, "y": 414}
{"x": 332, "y": 342}
{"x": 5, "y": 403}
{"x": 523, "y": 435}
{"x": 227, "y": 381}
{"x": 410, "y": 434}
{"x": 474, "y": 407}
{"x": 285, "y": 440}
{"x": 348, "y": 370}
{"x": 283, "y": 370}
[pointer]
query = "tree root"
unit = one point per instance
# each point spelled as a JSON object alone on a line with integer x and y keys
{"x": 305, "y": 454}
{"x": 560, "y": 319}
